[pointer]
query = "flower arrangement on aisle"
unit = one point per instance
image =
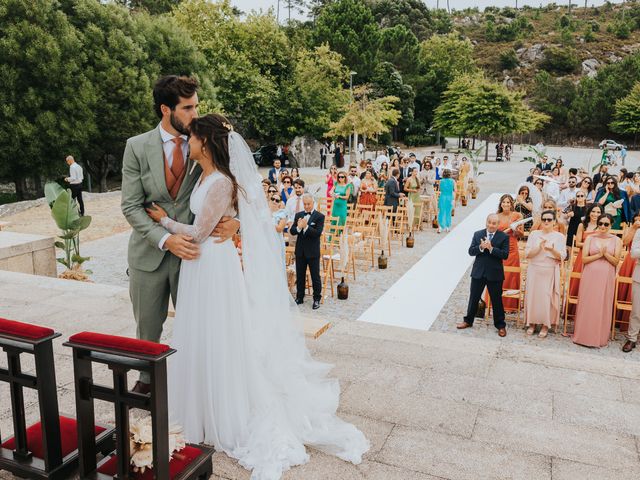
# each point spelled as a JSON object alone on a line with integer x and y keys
{"x": 141, "y": 443}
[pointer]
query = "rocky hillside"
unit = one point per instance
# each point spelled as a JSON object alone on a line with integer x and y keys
{"x": 513, "y": 45}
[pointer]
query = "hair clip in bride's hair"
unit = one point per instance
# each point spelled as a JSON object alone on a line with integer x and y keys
{"x": 227, "y": 126}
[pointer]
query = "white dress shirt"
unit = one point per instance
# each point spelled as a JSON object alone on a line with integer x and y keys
{"x": 292, "y": 207}
{"x": 566, "y": 196}
{"x": 355, "y": 181}
{"x": 75, "y": 174}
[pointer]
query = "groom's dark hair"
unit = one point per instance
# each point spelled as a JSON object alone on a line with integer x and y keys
{"x": 168, "y": 90}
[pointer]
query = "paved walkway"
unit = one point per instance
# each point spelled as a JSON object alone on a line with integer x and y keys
{"x": 433, "y": 405}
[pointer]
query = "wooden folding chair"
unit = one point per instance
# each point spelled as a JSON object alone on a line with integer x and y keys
{"x": 620, "y": 305}
{"x": 570, "y": 300}
{"x": 508, "y": 293}
{"x": 365, "y": 237}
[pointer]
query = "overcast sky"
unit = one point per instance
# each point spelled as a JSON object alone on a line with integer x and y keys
{"x": 247, "y": 5}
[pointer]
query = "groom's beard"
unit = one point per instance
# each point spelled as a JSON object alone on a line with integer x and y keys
{"x": 178, "y": 125}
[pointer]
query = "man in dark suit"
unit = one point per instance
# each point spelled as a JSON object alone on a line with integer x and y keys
{"x": 274, "y": 173}
{"x": 490, "y": 247}
{"x": 308, "y": 225}
{"x": 544, "y": 164}
{"x": 392, "y": 192}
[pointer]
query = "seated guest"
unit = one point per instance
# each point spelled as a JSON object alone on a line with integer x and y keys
{"x": 545, "y": 251}
{"x": 308, "y": 226}
{"x": 600, "y": 257}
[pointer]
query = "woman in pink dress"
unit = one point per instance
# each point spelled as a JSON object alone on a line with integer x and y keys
{"x": 545, "y": 250}
{"x": 600, "y": 257}
{"x": 331, "y": 180}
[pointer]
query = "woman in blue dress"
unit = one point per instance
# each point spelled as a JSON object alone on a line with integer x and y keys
{"x": 445, "y": 202}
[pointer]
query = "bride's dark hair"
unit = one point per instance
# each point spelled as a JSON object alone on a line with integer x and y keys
{"x": 213, "y": 129}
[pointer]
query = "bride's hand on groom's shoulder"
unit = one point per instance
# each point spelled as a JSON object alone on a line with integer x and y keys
{"x": 156, "y": 213}
{"x": 226, "y": 228}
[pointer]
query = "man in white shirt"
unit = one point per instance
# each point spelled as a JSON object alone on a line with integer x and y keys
{"x": 295, "y": 204}
{"x": 74, "y": 180}
{"x": 360, "y": 151}
{"x": 568, "y": 194}
{"x": 354, "y": 179}
{"x": 413, "y": 162}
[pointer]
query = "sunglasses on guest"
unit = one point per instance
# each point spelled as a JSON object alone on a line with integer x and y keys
{"x": 547, "y": 219}
{"x": 580, "y": 196}
{"x": 611, "y": 183}
{"x": 341, "y": 176}
{"x": 275, "y": 200}
{"x": 604, "y": 224}
{"x": 286, "y": 181}
{"x": 272, "y": 191}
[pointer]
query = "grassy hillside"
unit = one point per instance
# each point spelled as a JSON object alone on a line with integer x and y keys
{"x": 516, "y": 44}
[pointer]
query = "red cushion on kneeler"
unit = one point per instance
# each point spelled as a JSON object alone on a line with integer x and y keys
{"x": 25, "y": 330}
{"x": 68, "y": 434}
{"x": 115, "y": 342}
{"x": 178, "y": 463}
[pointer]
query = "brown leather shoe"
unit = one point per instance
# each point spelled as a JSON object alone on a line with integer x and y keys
{"x": 502, "y": 332}
{"x": 463, "y": 325}
{"x": 142, "y": 388}
{"x": 628, "y": 346}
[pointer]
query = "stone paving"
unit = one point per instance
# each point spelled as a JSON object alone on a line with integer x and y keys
{"x": 440, "y": 404}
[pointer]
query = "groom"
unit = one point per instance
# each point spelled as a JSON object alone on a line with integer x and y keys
{"x": 156, "y": 169}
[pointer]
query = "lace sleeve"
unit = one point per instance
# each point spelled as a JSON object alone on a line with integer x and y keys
{"x": 214, "y": 206}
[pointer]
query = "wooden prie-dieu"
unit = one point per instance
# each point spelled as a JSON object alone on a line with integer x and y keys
{"x": 47, "y": 449}
{"x": 120, "y": 355}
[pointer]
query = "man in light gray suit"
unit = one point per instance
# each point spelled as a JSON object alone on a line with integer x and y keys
{"x": 156, "y": 169}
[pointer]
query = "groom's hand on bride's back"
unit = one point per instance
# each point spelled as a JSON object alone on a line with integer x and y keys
{"x": 182, "y": 246}
{"x": 226, "y": 228}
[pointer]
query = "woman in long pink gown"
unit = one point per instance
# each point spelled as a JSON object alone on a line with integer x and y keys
{"x": 600, "y": 257}
{"x": 545, "y": 250}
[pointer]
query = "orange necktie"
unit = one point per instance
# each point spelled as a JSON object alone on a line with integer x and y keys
{"x": 178, "y": 159}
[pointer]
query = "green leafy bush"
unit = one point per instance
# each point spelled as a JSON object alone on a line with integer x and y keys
{"x": 418, "y": 140}
{"x": 621, "y": 30}
{"x": 509, "y": 60}
{"x": 561, "y": 61}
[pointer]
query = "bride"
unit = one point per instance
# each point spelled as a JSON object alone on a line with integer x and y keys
{"x": 242, "y": 378}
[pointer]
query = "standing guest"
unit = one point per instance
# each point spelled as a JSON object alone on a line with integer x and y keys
{"x": 577, "y": 210}
{"x": 626, "y": 270}
{"x": 634, "y": 320}
{"x": 413, "y": 162}
{"x": 392, "y": 192}
{"x": 598, "y": 178}
{"x": 524, "y": 205}
{"x": 382, "y": 179}
{"x": 445, "y": 202}
{"x": 308, "y": 226}
{"x": 271, "y": 190}
{"x": 369, "y": 168}
{"x": 539, "y": 184}
{"x": 279, "y": 217}
{"x": 354, "y": 179}
{"x": 74, "y": 180}
{"x": 600, "y": 257}
{"x": 275, "y": 171}
{"x": 412, "y": 189}
{"x": 384, "y": 168}
{"x": 368, "y": 189}
{"x": 610, "y": 194}
{"x": 341, "y": 192}
{"x": 427, "y": 181}
{"x": 506, "y": 216}
{"x": 437, "y": 165}
{"x": 360, "y": 150}
{"x": 266, "y": 183}
{"x": 545, "y": 251}
{"x": 287, "y": 188}
{"x": 507, "y": 152}
{"x": 623, "y": 154}
{"x": 295, "y": 173}
{"x": 560, "y": 225}
{"x": 324, "y": 151}
{"x": 568, "y": 195}
{"x": 490, "y": 246}
{"x": 337, "y": 156}
{"x": 562, "y": 175}
{"x": 534, "y": 171}
{"x": 331, "y": 179}
{"x": 586, "y": 185}
{"x": 463, "y": 175}
{"x": 294, "y": 204}
{"x": 544, "y": 164}
{"x": 499, "y": 151}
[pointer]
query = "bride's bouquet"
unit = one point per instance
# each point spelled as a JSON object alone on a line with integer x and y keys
{"x": 141, "y": 442}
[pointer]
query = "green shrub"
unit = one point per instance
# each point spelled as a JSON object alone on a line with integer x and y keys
{"x": 418, "y": 140}
{"x": 564, "y": 21}
{"x": 622, "y": 30}
{"x": 509, "y": 60}
{"x": 566, "y": 37}
{"x": 595, "y": 26}
{"x": 589, "y": 36}
{"x": 561, "y": 61}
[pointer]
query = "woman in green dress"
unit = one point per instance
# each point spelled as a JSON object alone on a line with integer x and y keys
{"x": 412, "y": 188}
{"x": 341, "y": 192}
{"x": 611, "y": 194}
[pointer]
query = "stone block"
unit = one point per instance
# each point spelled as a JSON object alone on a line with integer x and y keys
{"x": 568, "y": 470}
{"x": 455, "y": 458}
{"x": 44, "y": 262}
{"x": 22, "y": 263}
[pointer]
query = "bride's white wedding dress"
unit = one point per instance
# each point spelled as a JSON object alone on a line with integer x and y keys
{"x": 242, "y": 378}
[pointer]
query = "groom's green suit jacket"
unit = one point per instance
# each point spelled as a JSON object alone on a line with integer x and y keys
{"x": 143, "y": 182}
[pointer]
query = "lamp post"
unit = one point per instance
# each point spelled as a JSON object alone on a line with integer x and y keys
{"x": 351, "y": 74}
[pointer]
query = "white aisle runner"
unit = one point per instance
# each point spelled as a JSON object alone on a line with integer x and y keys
{"x": 416, "y": 299}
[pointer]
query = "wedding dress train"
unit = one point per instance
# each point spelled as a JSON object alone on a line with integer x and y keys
{"x": 242, "y": 378}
